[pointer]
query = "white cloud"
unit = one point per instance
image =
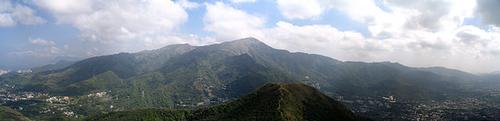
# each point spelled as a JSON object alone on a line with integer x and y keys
{"x": 112, "y": 21}
{"x": 6, "y": 20}
{"x": 229, "y": 23}
{"x": 123, "y": 25}
{"x": 243, "y": 1}
{"x": 401, "y": 17}
{"x": 187, "y": 4}
{"x": 381, "y": 24}
{"x": 470, "y": 48}
{"x": 299, "y": 9}
{"x": 26, "y": 16}
{"x": 427, "y": 13}
{"x": 13, "y": 14}
{"x": 42, "y": 42}
{"x": 409, "y": 33}
{"x": 416, "y": 33}
{"x": 323, "y": 39}
{"x": 43, "y": 48}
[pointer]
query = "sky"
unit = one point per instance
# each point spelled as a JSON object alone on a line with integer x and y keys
{"x": 457, "y": 34}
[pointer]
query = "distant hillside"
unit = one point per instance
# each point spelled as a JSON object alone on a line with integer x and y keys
{"x": 492, "y": 81}
{"x": 53, "y": 67}
{"x": 272, "y": 102}
{"x": 8, "y": 114}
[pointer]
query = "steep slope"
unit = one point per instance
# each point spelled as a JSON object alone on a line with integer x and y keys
{"x": 272, "y": 102}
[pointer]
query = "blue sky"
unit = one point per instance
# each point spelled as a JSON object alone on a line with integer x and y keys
{"x": 415, "y": 33}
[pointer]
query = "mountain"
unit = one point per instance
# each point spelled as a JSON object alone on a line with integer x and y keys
{"x": 272, "y": 102}
{"x": 229, "y": 70}
{"x": 452, "y": 73}
{"x": 184, "y": 76}
{"x": 125, "y": 65}
{"x": 112, "y": 67}
{"x": 8, "y": 114}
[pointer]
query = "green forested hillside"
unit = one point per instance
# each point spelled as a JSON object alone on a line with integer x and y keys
{"x": 8, "y": 114}
{"x": 122, "y": 66}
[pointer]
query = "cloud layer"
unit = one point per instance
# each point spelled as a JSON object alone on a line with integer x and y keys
{"x": 12, "y": 14}
{"x": 299, "y": 9}
{"x": 122, "y": 25}
{"x": 117, "y": 20}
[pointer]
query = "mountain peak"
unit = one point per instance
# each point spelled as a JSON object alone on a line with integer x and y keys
{"x": 245, "y": 41}
{"x": 238, "y": 47}
{"x": 249, "y": 39}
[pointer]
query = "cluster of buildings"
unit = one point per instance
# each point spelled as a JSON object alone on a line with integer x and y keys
{"x": 59, "y": 100}
{"x": 6, "y": 95}
{"x": 97, "y": 94}
{"x": 26, "y": 100}
{"x": 388, "y": 108}
{"x": 22, "y": 71}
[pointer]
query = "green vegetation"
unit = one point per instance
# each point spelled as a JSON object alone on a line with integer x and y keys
{"x": 8, "y": 114}
{"x": 272, "y": 102}
{"x": 143, "y": 115}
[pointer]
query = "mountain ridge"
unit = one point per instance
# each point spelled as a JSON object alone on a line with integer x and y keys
{"x": 169, "y": 59}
